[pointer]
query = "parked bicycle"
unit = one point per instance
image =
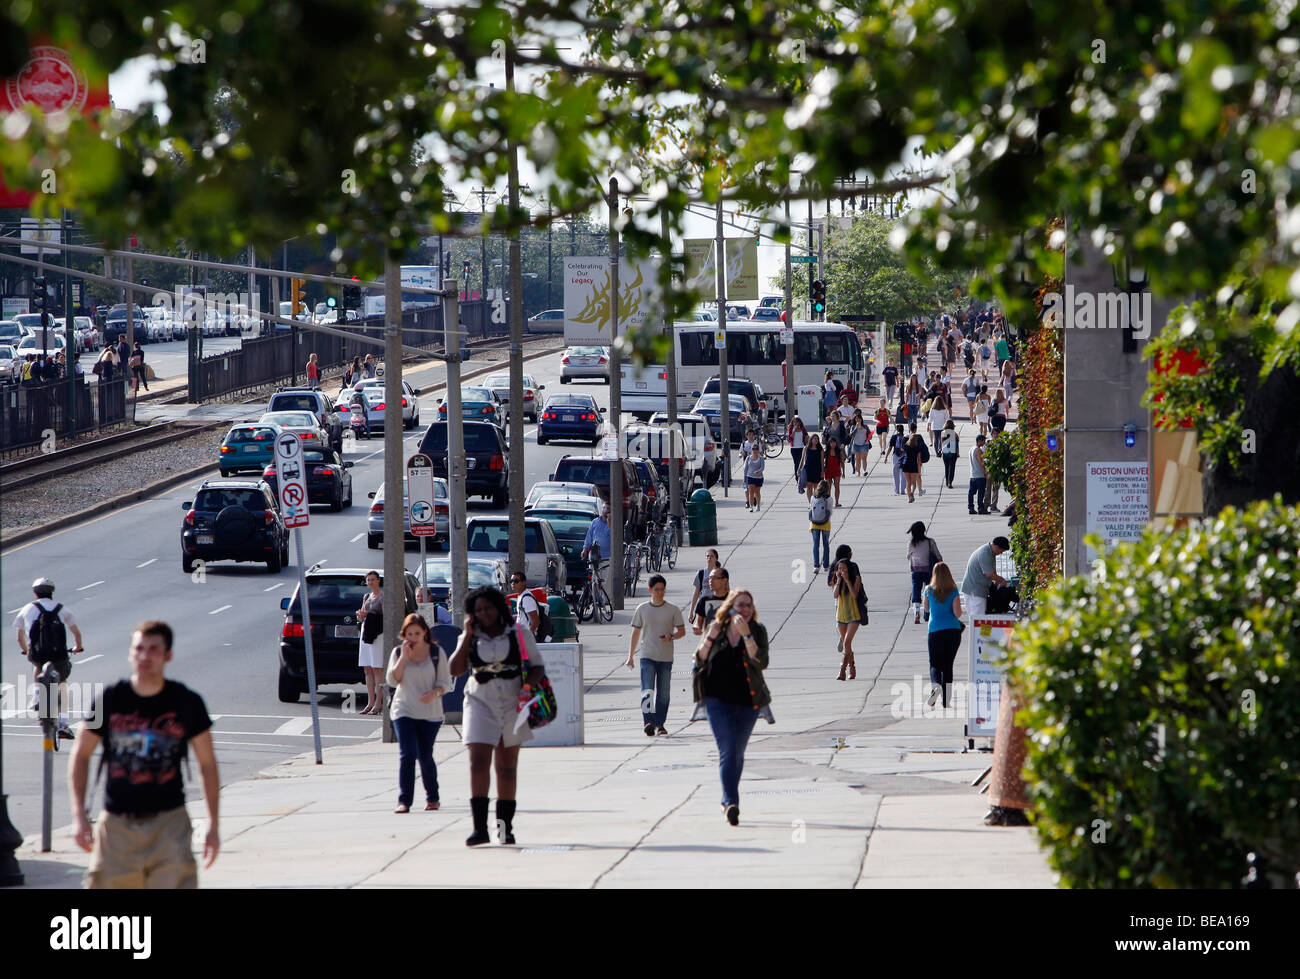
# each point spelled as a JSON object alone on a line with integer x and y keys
{"x": 773, "y": 441}
{"x": 593, "y": 601}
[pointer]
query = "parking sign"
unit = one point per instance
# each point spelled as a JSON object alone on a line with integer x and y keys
{"x": 291, "y": 476}
{"x": 419, "y": 492}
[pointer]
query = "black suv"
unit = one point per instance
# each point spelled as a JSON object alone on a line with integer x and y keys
{"x": 759, "y": 409}
{"x": 585, "y": 469}
{"x": 318, "y": 403}
{"x": 234, "y": 520}
{"x": 333, "y": 595}
{"x": 487, "y": 461}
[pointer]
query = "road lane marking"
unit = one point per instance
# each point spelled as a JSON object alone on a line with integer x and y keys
{"x": 296, "y": 725}
{"x": 147, "y": 563}
{"x": 91, "y": 585}
{"x": 87, "y": 659}
{"x": 15, "y": 611}
{"x": 222, "y": 609}
{"x": 357, "y": 538}
{"x": 274, "y": 587}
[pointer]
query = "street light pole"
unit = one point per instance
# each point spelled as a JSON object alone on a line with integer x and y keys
{"x": 615, "y": 587}
{"x": 724, "y": 403}
{"x": 670, "y": 369}
{"x": 516, "y": 313}
{"x": 455, "y": 449}
{"x": 789, "y": 325}
{"x": 394, "y": 472}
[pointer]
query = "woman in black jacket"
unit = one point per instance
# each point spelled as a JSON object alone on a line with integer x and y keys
{"x": 812, "y": 465}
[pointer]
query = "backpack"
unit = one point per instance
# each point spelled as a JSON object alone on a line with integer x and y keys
{"x": 899, "y": 451}
{"x": 48, "y": 638}
{"x": 924, "y": 455}
{"x": 545, "y": 627}
{"x": 820, "y": 511}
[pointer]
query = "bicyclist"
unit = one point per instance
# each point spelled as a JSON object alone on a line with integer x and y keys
{"x": 42, "y": 626}
{"x": 598, "y": 533}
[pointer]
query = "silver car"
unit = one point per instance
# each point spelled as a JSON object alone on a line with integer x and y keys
{"x": 499, "y": 384}
{"x": 438, "y": 570}
{"x": 7, "y": 362}
{"x": 543, "y": 489}
{"x": 372, "y": 389}
{"x": 441, "y": 515}
{"x": 488, "y": 539}
{"x": 584, "y": 362}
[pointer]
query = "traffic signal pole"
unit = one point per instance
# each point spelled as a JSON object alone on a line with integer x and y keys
{"x": 515, "y": 419}
{"x": 790, "y": 398}
{"x": 724, "y": 402}
{"x": 394, "y": 474}
{"x": 616, "y": 543}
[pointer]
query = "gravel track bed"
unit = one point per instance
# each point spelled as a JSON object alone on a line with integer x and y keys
{"x": 86, "y": 490}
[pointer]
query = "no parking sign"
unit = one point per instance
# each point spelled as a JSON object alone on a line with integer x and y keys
{"x": 289, "y": 473}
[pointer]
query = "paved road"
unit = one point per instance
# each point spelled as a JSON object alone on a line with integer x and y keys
{"x": 125, "y": 566}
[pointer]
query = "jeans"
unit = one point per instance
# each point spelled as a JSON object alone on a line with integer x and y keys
{"x": 825, "y": 537}
{"x": 900, "y": 480}
{"x": 919, "y": 580}
{"x": 732, "y": 726}
{"x": 949, "y": 468}
{"x": 656, "y": 684}
{"x": 976, "y": 493}
{"x": 912, "y": 411}
{"x": 944, "y": 644}
{"x": 992, "y": 494}
{"x": 415, "y": 739}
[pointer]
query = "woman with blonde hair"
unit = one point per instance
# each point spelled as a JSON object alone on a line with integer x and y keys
{"x": 729, "y": 688}
{"x": 942, "y": 602}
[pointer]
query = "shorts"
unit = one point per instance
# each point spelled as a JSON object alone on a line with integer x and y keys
{"x": 753, "y": 480}
{"x": 882, "y": 429}
{"x": 64, "y": 666}
{"x": 371, "y": 653}
{"x": 150, "y": 851}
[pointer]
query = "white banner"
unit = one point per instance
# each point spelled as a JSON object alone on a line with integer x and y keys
{"x": 587, "y": 309}
{"x": 40, "y": 229}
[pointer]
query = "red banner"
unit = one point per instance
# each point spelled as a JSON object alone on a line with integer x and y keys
{"x": 52, "y": 81}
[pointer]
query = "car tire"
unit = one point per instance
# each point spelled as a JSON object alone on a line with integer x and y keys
{"x": 373, "y": 541}
{"x": 187, "y": 564}
{"x": 336, "y": 505}
{"x": 500, "y": 498}
{"x": 565, "y": 380}
{"x": 289, "y": 689}
{"x": 347, "y": 504}
{"x": 275, "y": 563}
{"x": 541, "y": 440}
{"x": 225, "y": 473}
{"x": 595, "y": 442}
{"x": 284, "y": 552}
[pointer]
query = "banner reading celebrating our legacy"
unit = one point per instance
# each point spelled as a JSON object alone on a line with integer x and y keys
{"x": 588, "y": 314}
{"x": 742, "y": 267}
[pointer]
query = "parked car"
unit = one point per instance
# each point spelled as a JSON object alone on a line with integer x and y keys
{"x": 34, "y": 343}
{"x": 570, "y": 417}
{"x": 488, "y": 538}
{"x": 699, "y": 443}
{"x": 539, "y": 490}
{"x": 756, "y": 405}
{"x": 441, "y": 516}
{"x": 304, "y": 424}
{"x": 710, "y": 406}
{"x": 334, "y": 595}
{"x": 328, "y": 479}
{"x": 570, "y": 529}
{"x": 91, "y": 339}
{"x": 487, "y": 461}
{"x": 11, "y": 332}
{"x": 499, "y": 384}
{"x": 318, "y": 403}
{"x": 654, "y": 488}
{"x": 437, "y": 571}
{"x": 547, "y": 321}
{"x": 584, "y": 363}
{"x": 374, "y": 391}
{"x": 247, "y": 447}
{"x": 234, "y": 520}
{"x": 477, "y": 404}
{"x": 584, "y": 469}
{"x": 589, "y": 505}
{"x": 658, "y": 443}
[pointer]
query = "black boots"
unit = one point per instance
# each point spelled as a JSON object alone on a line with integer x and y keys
{"x": 506, "y": 819}
{"x": 479, "y": 807}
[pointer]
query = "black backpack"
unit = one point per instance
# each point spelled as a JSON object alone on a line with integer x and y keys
{"x": 545, "y": 627}
{"x": 48, "y": 638}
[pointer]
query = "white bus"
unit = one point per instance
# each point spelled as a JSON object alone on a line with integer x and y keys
{"x": 754, "y": 351}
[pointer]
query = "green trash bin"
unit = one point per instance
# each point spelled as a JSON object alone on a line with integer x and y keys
{"x": 702, "y": 519}
{"x": 563, "y": 620}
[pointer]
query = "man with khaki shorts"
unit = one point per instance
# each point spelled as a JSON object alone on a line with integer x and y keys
{"x": 147, "y": 723}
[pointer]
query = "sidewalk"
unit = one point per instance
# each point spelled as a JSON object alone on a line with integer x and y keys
{"x": 856, "y": 785}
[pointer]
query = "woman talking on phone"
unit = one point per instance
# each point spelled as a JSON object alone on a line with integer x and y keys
{"x": 494, "y": 650}
{"x": 421, "y": 674}
{"x": 729, "y": 688}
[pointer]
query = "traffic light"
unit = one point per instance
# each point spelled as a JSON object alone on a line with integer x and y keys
{"x": 296, "y": 295}
{"x": 41, "y": 299}
{"x": 467, "y": 273}
{"x": 331, "y": 302}
{"x": 351, "y": 297}
{"x": 819, "y": 298}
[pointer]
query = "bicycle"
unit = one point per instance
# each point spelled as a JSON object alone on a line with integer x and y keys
{"x": 654, "y": 557}
{"x": 593, "y": 601}
{"x": 669, "y": 537}
{"x": 631, "y": 566}
{"x": 773, "y": 442}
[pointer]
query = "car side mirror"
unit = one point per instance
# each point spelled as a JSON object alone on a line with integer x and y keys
{"x": 541, "y": 387}
{"x": 695, "y": 394}
{"x": 284, "y": 603}
{"x": 603, "y": 410}
{"x": 348, "y": 465}
{"x": 370, "y": 495}
{"x": 188, "y": 504}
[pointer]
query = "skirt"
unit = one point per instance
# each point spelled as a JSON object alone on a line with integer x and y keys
{"x": 372, "y": 653}
{"x": 490, "y": 713}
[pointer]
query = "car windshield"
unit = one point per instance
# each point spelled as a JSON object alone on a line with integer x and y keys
{"x": 439, "y": 490}
{"x": 216, "y": 500}
{"x": 594, "y": 471}
{"x": 6, "y": 352}
{"x": 475, "y": 394}
{"x": 333, "y": 593}
{"x": 294, "y": 402}
{"x": 497, "y": 381}
{"x": 713, "y": 401}
{"x": 250, "y": 434}
{"x": 480, "y": 573}
{"x": 489, "y": 537}
{"x": 585, "y": 351}
{"x": 291, "y": 419}
{"x": 478, "y": 438}
{"x": 320, "y": 456}
{"x": 574, "y": 504}
{"x": 571, "y": 401}
{"x": 566, "y": 525}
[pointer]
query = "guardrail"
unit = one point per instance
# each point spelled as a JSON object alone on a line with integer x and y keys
{"x": 31, "y": 414}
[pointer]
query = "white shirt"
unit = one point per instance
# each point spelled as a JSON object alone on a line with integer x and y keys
{"x": 846, "y": 411}
{"x": 29, "y": 613}
{"x": 524, "y": 605}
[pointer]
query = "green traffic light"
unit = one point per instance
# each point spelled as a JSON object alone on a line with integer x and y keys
{"x": 331, "y": 302}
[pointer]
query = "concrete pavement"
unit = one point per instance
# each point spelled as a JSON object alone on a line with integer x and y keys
{"x": 856, "y": 785}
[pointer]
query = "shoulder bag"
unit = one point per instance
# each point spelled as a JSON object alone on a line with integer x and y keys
{"x": 542, "y": 708}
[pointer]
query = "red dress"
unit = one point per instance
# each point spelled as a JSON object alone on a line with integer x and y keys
{"x": 832, "y": 466}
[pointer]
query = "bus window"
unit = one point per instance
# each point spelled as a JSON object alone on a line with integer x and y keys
{"x": 807, "y": 348}
{"x": 766, "y": 350}
{"x": 834, "y": 348}
{"x": 696, "y": 348}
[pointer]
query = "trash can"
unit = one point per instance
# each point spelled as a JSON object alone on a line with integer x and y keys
{"x": 563, "y": 621}
{"x": 702, "y": 518}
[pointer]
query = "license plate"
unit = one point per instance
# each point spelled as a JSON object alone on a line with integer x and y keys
{"x": 566, "y": 418}
{"x": 204, "y": 539}
{"x": 251, "y": 448}
{"x": 347, "y": 632}
{"x": 469, "y": 463}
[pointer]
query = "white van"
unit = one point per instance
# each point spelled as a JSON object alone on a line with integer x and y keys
{"x": 701, "y": 450}
{"x": 659, "y": 444}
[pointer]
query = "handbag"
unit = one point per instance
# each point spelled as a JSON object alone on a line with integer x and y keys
{"x": 542, "y": 708}
{"x": 372, "y": 627}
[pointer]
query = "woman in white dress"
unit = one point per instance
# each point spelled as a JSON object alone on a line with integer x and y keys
{"x": 370, "y": 652}
{"x": 493, "y": 648}
{"x": 982, "y": 409}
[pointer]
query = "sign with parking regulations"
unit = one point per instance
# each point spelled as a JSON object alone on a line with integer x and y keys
{"x": 419, "y": 491}
{"x": 291, "y": 476}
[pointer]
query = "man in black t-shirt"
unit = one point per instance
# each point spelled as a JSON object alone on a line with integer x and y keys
{"x": 707, "y": 607}
{"x": 711, "y": 561}
{"x": 147, "y": 723}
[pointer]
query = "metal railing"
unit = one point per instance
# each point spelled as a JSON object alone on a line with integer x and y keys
{"x": 32, "y": 414}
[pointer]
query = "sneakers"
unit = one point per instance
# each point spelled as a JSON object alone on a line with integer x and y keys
{"x": 65, "y": 732}
{"x": 649, "y": 730}
{"x": 934, "y": 695}
{"x": 733, "y": 815}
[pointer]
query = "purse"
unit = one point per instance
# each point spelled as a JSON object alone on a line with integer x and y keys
{"x": 542, "y": 708}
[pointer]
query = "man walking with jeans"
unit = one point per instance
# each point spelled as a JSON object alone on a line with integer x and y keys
{"x": 982, "y": 575}
{"x": 655, "y": 625}
{"x": 979, "y": 478}
{"x": 147, "y": 724}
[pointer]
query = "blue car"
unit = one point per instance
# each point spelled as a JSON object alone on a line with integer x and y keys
{"x": 570, "y": 417}
{"x": 710, "y": 406}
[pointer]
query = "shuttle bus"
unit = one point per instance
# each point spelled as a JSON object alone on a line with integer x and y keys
{"x": 754, "y": 351}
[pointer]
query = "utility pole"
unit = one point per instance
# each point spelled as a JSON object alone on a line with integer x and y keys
{"x": 790, "y": 397}
{"x": 549, "y": 267}
{"x": 482, "y": 209}
{"x": 516, "y": 314}
{"x": 455, "y": 450}
{"x": 70, "y": 337}
{"x": 724, "y": 406}
{"x": 821, "y": 250}
{"x": 670, "y": 368}
{"x": 251, "y": 305}
{"x": 812, "y": 269}
{"x": 615, "y": 586}
{"x": 394, "y": 470}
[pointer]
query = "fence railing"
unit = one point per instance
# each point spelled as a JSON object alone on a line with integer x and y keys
{"x": 32, "y": 413}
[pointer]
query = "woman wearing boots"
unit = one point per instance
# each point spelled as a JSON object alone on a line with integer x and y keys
{"x": 943, "y": 606}
{"x": 846, "y": 585}
{"x": 494, "y": 651}
{"x": 922, "y": 555}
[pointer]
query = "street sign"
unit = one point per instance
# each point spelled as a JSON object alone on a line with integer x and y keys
{"x": 720, "y": 340}
{"x": 803, "y": 260}
{"x": 419, "y": 492}
{"x": 292, "y": 478}
{"x": 787, "y": 335}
